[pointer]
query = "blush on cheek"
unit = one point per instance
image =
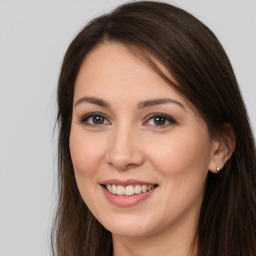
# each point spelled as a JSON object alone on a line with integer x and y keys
{"x": 83, "y": 163}
{"x": 168, "y": 159}
{"x": 180, "y": 157}
{"x": 85, "y": 153}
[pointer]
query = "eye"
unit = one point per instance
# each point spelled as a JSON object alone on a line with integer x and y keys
{"x": 160, "y": 120}
{"x": 94, "y": 119}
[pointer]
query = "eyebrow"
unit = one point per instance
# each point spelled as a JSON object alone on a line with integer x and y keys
{"x": 149, "y": 103}
{"x": 93, "y": 100}
{"x": 142, "y": 104}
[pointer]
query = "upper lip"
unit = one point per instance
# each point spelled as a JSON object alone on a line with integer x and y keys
{"x": 126, "y": 182}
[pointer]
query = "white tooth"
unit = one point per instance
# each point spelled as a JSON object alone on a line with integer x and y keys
{"x": 109, "y": 188}
{"x": 129, "y": 190}
{"x": 113, "y": 189}
{"x": 137, "y": 189}
{"x": 144, "y": 188}
{"x": 120, "y": 190}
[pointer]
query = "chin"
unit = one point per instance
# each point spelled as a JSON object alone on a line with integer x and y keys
{"x": 130, "y": 226}
{"x": 130, "y": 231}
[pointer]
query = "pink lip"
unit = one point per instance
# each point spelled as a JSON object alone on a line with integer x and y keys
{"x": 126, "y": 182}
{"x": 126, "y": 201}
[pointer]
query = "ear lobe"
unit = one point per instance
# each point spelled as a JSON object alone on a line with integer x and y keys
{"x": 223, "y": 148}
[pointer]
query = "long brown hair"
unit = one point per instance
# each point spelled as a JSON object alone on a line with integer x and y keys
{"x": 197, "y": 61}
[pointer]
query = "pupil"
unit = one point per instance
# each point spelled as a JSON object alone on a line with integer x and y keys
{"x": 98, "y": 120}
{"x": 159, "y": 120}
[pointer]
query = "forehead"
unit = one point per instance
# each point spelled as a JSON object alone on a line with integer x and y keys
{"x": 112, "y": 65}
{"x": 113, "y": 70}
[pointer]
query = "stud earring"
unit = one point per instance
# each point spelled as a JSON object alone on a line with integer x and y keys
{"x": 217, "y": 169}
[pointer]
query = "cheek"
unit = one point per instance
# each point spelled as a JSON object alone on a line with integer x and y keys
{"x": 86, "y": 152}
{"x": 181, "y": 154}
{"x": 182, "y": 165}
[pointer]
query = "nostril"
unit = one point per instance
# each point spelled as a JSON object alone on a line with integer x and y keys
{"x": 123, "y": 162}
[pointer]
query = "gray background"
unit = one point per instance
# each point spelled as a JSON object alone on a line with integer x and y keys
{"x": 33, "y": 38}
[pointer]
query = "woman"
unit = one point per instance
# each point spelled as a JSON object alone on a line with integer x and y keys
{"x": 156, "y": 154}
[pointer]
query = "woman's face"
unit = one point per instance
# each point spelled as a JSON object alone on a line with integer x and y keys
{"x": 139, "y": 151}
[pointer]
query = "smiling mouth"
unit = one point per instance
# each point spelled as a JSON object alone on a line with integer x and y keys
{"x": 129, "y": 190}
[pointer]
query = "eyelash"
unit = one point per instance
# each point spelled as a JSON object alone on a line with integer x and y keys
{"x": 84, "y": 119}
{"x": 167, "y": 118}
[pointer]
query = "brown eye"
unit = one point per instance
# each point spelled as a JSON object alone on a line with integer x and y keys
{"x": 98, "y": 120}
{"x": 94, "y": 119}
{"x": 159, "y": 121}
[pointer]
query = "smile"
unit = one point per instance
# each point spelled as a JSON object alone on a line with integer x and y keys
{"x": 129, "y": 190}
{"x": 127, "y": 193}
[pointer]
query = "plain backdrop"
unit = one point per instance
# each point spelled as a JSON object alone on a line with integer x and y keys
{"x": 33, "y": 38}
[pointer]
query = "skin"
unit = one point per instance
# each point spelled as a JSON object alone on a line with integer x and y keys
{"x": 130, "y": 144}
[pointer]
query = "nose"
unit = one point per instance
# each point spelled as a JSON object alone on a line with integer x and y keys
{"x": 125, "y": 149}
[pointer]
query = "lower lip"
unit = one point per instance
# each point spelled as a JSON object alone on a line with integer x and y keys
{"x": 126, "y": 201}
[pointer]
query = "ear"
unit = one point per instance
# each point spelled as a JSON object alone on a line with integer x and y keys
{"x": 222, "y": 149}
